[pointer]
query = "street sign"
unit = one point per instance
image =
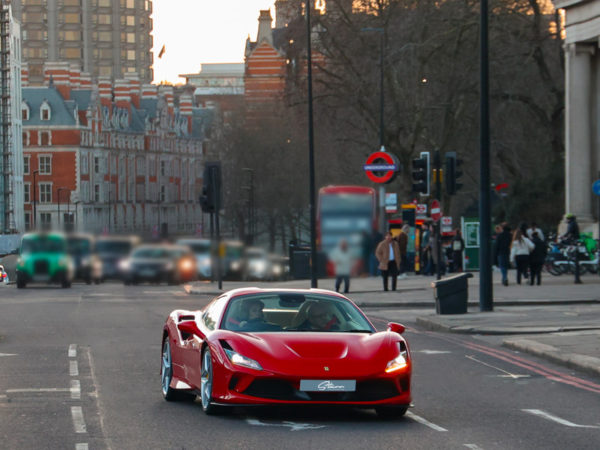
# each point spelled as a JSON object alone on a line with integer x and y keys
{"x": 391, "y": 202}
{"x": 383, "y": 162}
{"x": 421, "y": 209}
{"x": 596, "y": 187}
{"x": 446, "y": 224}
{"x": 436, "y": 210}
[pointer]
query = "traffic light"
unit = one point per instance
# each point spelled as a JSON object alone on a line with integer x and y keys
{"x": 453, "y": 173}
{"x": 210, "y": 199}
{"x": 421, "y": 174}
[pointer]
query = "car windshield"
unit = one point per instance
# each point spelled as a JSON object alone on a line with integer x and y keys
{"x": 114, "y": 247}
{"x": 294, "y": 312}
{"x": 198, "y": 248}
{"x": 43, "y": 244}
{"x": 79, "y": 246}
{"x": 152, "y": 253}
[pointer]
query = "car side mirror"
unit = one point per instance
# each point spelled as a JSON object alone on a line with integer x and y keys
{"x": 396, "y": 327}
{"x": 189, "y": 327}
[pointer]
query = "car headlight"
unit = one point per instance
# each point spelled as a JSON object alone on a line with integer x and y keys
{"x": 398, "y": 363}
{"x": 241, "y": 360}
{"x": 124, "y": 264}
{"x": 235, "y": 265}
{"x": 277, "y": 270}
{"x": 186, "y": 265}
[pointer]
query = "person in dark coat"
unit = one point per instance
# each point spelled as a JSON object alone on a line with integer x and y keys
{"x": 537, "y": 258}
{"x": 502, "y": 251}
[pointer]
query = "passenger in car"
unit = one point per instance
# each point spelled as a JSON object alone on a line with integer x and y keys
{"x": 320, "y": 318}
{"x": 252, "y": 317}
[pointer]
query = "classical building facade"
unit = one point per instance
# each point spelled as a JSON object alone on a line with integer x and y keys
{"x": 112, "y": 157}
{"x": 11, "y": 146}
{"x": 103, "y": 37}
{"x": 582, "y": 105}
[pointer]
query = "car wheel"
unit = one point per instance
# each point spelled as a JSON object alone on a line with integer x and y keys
{"x": 66, "y": 283}
{"x": 206, "y": 385}
{"x": 391, "y": 412}
{"x": 21, "y": 283}
{"x": 166, "y": 375}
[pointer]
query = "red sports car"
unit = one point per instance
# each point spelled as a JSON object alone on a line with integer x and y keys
{"x": 297, "y": 346}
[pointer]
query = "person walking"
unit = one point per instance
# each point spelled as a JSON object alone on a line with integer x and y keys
{"x": 537, "y": 258}
{"x": 502, "y": 251}
{"x": 535, "y": 229}
{"x": 340, "y": 257}
{"x": 388, "y": 255}
{"x": 402, "y": 240}
{"x": 426, "y": 263}
{"x": 520, "y": 249}
{"x": 458, "y": 246}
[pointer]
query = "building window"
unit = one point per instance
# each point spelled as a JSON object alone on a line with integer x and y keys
{"x": 26, "y": 161}
{"x": 24, "y": 111}
{"x": 45, "y": 164}
{"x": 45, "y": 111}
{"x": 45, "y": 192}
{"x": 44, "y": 138}
{"x": 26, "y": 138}
{"x": 163, "y": 194}
{"x": 27, "y": 221}
{"x": 46, "y": 221}
{"x": 96, "y": 164}
{"x": 26, "y": 192}
{"x": 163, "y": 168}
{"x": 96, "y": 192}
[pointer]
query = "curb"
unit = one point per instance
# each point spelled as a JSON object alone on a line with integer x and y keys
{"x": 587, "y": 364}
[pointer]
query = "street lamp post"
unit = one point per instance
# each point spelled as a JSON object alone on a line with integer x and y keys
{"x": 311, "y": 154}
{"x": 35, "y": 172}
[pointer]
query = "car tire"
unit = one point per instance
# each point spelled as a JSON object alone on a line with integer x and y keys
{"x": 66, "y": 284}
{"x": 206, "y": 384}
{"x": 21, "y": 283}
{"x": 166, "y": 375}
{"x": 391, "y": 412}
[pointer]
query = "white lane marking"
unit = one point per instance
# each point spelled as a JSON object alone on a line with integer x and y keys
{"x": 73, "y": 368}
{"x": 75, "y": 390}
{"x": 506, "y": 374}
{"x": 473, "y": 446}
{"x": 73, "y": 351}
{"x": 81, "y": 447}
{"x": 425, "y": 422}
{"x": 36, "y": 390}
{"x": 8, "y": 354}
{"x": 292, "y": 425}
{"x": 433, "y": 352}
{"x": 545, "y": 415}
{"x": 78, "y": 422}
{"x": 96, "y": 396}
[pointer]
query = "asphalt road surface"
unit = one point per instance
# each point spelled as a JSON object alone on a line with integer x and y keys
{"x": 79, "y": 369}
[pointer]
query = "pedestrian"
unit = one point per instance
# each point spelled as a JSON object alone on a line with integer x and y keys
{"x": 520, "y": 249}
{"x": 537, "y": 258}
{"x": 402, "y": 240}
{"x": 340, "y": 256}
{"x": 458, "y": 246}
{"x": 426, "y": 250}
{"x": 502, "y": 251}
{"x": 572, "y": 234}
{"x": 388, "y": 255}
{"x": 535, "y": 229}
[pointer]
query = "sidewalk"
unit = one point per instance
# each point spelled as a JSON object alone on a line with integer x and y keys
{"x": 558, "y": 321}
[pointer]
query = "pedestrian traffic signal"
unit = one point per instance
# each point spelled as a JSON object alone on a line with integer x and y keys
{"x": 210, "y": 199}
{"x": 453, "y": 173}
{"x": 421, "y": 174}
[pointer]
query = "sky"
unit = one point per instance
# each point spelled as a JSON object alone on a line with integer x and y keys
{"x": 202, "y": 31}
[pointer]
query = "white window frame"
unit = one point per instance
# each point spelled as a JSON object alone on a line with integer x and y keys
{"x": 45, "y": 132}
{"x": 27, "y": 193}
{"x": 43, "y": 172}
{"x": 40, "y": 190}
{"x": 26, "y": 165}
{"x": 25, "y": 107}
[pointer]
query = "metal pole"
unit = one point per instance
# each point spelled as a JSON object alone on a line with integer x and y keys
{"x": 381, "y": 95}
{"x": 35, "y": 200}
{"x": 58, "y": 195}
{"x": 438, "y": 194}
{"x": 486, "y": 300}
{"x": 311, "y": 155}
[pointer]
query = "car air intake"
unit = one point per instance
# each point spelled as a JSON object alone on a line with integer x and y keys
{"x": 41, "y": 267}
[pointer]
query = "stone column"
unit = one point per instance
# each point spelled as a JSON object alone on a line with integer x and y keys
{"x": 579, "y": 131}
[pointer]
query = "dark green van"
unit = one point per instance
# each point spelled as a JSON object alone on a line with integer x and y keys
{"x": 43, "y": 258}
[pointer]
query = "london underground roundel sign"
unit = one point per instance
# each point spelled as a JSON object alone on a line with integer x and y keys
{"x": 381, "y": 167}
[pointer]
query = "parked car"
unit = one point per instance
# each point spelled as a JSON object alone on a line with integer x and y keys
{"x": 88, "y": 266}
{"x": 157, "y": 263}
{"x": 112, "y": 250}
{"x": 255, "y": 346}
{"x": 257, "y": 264}
{"x": 202, "y": 249}
{"x": 43, "y": 257}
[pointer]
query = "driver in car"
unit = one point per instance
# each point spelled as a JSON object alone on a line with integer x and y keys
{"x": 320, "y": 318}
{"x": 254, "y": 317}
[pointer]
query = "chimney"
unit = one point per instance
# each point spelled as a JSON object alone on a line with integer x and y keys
{"x": 85, "y": 81}
{"x": 167, "y": 91}
{"x": 264, "y": 27}
{"x": 24, "y": 74}
{"x": 185, "y": 109}
{"x": 134, "y": 88}
{"x": 74, "y": 76}
{"x": 105, "y": 90}
{"x": 122, "y": 94}
{"x": 58, "y": 74}
{"x": 149, "y": 92}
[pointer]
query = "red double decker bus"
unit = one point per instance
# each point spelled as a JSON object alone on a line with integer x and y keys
{"x": 346, "y": 212}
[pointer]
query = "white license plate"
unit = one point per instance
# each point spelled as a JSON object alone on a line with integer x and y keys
{"x": 328, "y": 385}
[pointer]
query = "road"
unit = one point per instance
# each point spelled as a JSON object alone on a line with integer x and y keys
{"x": 79, "y": 369}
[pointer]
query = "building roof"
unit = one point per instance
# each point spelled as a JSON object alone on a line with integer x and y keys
{"x": 61, "y": 113}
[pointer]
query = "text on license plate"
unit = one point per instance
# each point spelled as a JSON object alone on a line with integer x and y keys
{"x": 328, "y": 385}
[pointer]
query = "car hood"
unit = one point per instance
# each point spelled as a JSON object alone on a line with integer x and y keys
{"x": 315, "y": 354}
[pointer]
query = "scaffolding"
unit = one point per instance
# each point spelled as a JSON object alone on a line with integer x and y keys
{"x": 6, "y": 198}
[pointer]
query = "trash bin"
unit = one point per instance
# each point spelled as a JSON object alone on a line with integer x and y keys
{"x": 452, "y": 294}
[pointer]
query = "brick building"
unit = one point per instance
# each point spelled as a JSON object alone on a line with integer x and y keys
{"x": 122, "y": 157}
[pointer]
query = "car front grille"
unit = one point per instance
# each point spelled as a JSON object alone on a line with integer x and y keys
{"x": 366, "y": 391}
{"x": 41, "y": 267}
